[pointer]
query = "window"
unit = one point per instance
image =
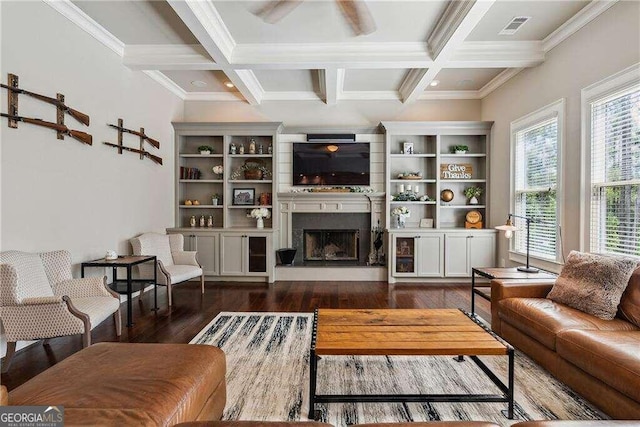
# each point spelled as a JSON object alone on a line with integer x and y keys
{"x": 614, "y": 185}
{"x": 536, "y": 141}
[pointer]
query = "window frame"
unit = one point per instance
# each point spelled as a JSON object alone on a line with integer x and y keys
{"x": 555, "y": 110}
{"x": 618, "y": 82}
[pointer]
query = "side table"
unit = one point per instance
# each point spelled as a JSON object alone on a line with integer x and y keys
{"x": 500, "y": 273}
{"x": 127, "y": 261}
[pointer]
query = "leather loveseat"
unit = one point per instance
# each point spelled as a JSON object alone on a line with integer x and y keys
{"x": 600, "y": 359}
{"x": 113, "y": 384}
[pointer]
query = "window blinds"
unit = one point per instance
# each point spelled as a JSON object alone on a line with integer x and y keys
{"x": 615, "y": 174}
{"x": 536, "y": 171}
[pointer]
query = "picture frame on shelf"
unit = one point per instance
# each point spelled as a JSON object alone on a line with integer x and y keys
{"x": 244, "y": 196}
{"x": 426, "y": 223}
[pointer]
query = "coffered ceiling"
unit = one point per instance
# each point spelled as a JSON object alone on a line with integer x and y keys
{"x": 430, "y": 49}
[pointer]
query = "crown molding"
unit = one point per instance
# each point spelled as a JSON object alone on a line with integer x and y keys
{"x": 214, "y": 96}
{"x": 587, "y": 14}
{"x": 497, "y": 54}
{"x": 449, "y": 94}
{"x": 74, "y": 14}
{"x": 166, "y": 82}
{"x": 498, "y": 81}
{"x": 248, "y": 84}
{"x": 411, "y": 81}
{"x": 167, "y": 57}
{"x": 448, "y": 23}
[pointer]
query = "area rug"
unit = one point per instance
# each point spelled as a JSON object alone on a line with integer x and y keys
{"x": 268, "y": 379}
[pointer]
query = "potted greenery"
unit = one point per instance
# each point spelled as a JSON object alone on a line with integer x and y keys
{"x": 205, "y": 149}
{"x": 472, "y": 193}
{"x": 459, "y": 149}
{"x": 252, "y": 170}
{"x": 215, "y": 198}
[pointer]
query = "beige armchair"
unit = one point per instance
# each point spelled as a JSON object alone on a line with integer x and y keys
{"x": 39, "y": 299}
{"x": 175, "y": 265}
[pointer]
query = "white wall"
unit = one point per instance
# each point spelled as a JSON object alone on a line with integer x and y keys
{"x": 63, "y": 194}
{"x": 344, "y": 114}
{"x": 605, "y": 46}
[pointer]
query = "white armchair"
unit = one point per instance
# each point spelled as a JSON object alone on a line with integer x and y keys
{"x": 39, "y": 299}
{"x": 175, "y": 265}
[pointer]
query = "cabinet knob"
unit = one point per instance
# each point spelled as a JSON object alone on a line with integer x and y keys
{"x": 417, "y": 237}
{"x": 469, "y": 237}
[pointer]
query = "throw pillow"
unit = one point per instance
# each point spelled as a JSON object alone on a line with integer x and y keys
{"x": 629, "y": 308}
{"x": 593, "y": 283}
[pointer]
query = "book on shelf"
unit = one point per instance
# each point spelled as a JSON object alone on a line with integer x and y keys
{"x": 190, "y": 173}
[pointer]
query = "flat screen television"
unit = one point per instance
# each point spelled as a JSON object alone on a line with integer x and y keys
{"x": 331, "y": 163}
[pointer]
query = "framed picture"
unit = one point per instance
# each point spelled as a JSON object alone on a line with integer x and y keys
{"x": 244, "y": 196}
{"x": 407, "y": 147}
{"x": 426, "y": 223}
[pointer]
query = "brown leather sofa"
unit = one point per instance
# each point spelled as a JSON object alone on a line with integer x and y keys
{"x": 132, "y": 384}
{"x": 600, "y": 359}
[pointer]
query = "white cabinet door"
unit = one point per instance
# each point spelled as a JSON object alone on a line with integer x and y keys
{"x": 430, "y": 260}
{"x": 456, "y": 256}
{"x": 482, "y": 251}
{"x": 232, "y": 258}
{"x": 207, "y": 253}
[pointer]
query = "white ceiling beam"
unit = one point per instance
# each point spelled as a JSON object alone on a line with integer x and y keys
{"x": 331, "y": 84}
{"x": 331, "y": 55}
{"x": 498, "y": 81}
{"x": 453, "y": 27}
{"x": 416, "y": 82}
{"x": 168, "y": 57}
{"x": 204, "y": 21}
{"x": 165, "y": 81}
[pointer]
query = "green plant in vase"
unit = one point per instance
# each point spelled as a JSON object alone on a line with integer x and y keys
{"x": 472, "y": 193}
{"x": 459, "y": 149}
{"x": 205, "y": 149}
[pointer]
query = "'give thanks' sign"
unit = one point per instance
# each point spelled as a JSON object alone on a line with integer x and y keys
{"x": 456, "y": 171}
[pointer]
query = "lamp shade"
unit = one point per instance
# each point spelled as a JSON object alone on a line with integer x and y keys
{"x": 508, "y": 228}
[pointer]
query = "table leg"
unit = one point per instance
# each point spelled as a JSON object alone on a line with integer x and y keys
{"x": 510, "y": 392}
{"x": 129, "y": 292}
{"x": 82, "y": 271}
{"x": 473, "y": 293}
{"x": 313, "y": 369}
{"x": 155, "y": 283}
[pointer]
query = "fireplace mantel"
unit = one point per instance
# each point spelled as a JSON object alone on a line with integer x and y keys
{"x": 327, "y": 202}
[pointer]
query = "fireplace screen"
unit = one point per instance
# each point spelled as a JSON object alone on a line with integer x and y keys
{"x": 331, "y": 245}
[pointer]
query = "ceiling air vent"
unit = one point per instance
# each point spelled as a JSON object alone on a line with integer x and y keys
{"x": 514, "y": 25}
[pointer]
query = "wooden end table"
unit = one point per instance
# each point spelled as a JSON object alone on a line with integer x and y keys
{"x": 500, "y": 273}
{"x": 410, "y": 332}
{"x": 127, "y": 261}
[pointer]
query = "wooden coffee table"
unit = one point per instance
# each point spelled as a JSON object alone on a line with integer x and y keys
{"x": 395, "y": 332}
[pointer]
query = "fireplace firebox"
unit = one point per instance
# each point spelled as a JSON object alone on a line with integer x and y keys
{"x": 331, "y": 245}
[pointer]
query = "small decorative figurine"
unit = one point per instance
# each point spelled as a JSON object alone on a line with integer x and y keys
{"x": 192, "y": 221}
{"x": 260, "y": 149}
{"x": 270, "y": 149}
{"x": 252, "y": 146}
{"x": 202, "y": 221}
{"x": 210, "y": 221}
{"x": 241, "y": 149}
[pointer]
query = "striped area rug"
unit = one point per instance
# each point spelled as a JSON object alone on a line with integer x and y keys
{"x": 268, "y": 379}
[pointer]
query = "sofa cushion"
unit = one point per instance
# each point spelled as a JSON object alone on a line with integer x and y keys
{"x": 180, "y": 273}
{"x": 629, "y": 308}
{"x": 542, "y": 319}
{"x": 593, "y": 283}
{"x": 611, "y": 356}
{"x": 173, "y": 382}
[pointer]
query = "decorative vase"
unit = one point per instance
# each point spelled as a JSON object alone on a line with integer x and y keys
{"x": 461, "y": 152}
{"x": 260, "y": 223}
{"x": 205, "y": 152}
{"x": 401, "y": 221}
{"x": 253, "y": 174}
{"x": 473, "y": 201}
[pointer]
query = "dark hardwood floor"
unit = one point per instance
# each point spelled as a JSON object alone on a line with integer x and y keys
{"x": 192, "y": 311}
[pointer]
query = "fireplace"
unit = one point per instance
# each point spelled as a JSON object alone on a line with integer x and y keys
{"x": 331, "y": 245}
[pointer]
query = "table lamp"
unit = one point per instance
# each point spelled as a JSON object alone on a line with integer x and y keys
{"x": 509, "y": 228}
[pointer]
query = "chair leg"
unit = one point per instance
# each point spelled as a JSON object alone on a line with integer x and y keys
{"x": 46, "y": 341}
{"x": 202, "y": 283}
{"x": 169, "y": 292}
{"x": 86, "y": 338}
{"x": 11, "y": 350}
{"x": 118, "y": 321}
